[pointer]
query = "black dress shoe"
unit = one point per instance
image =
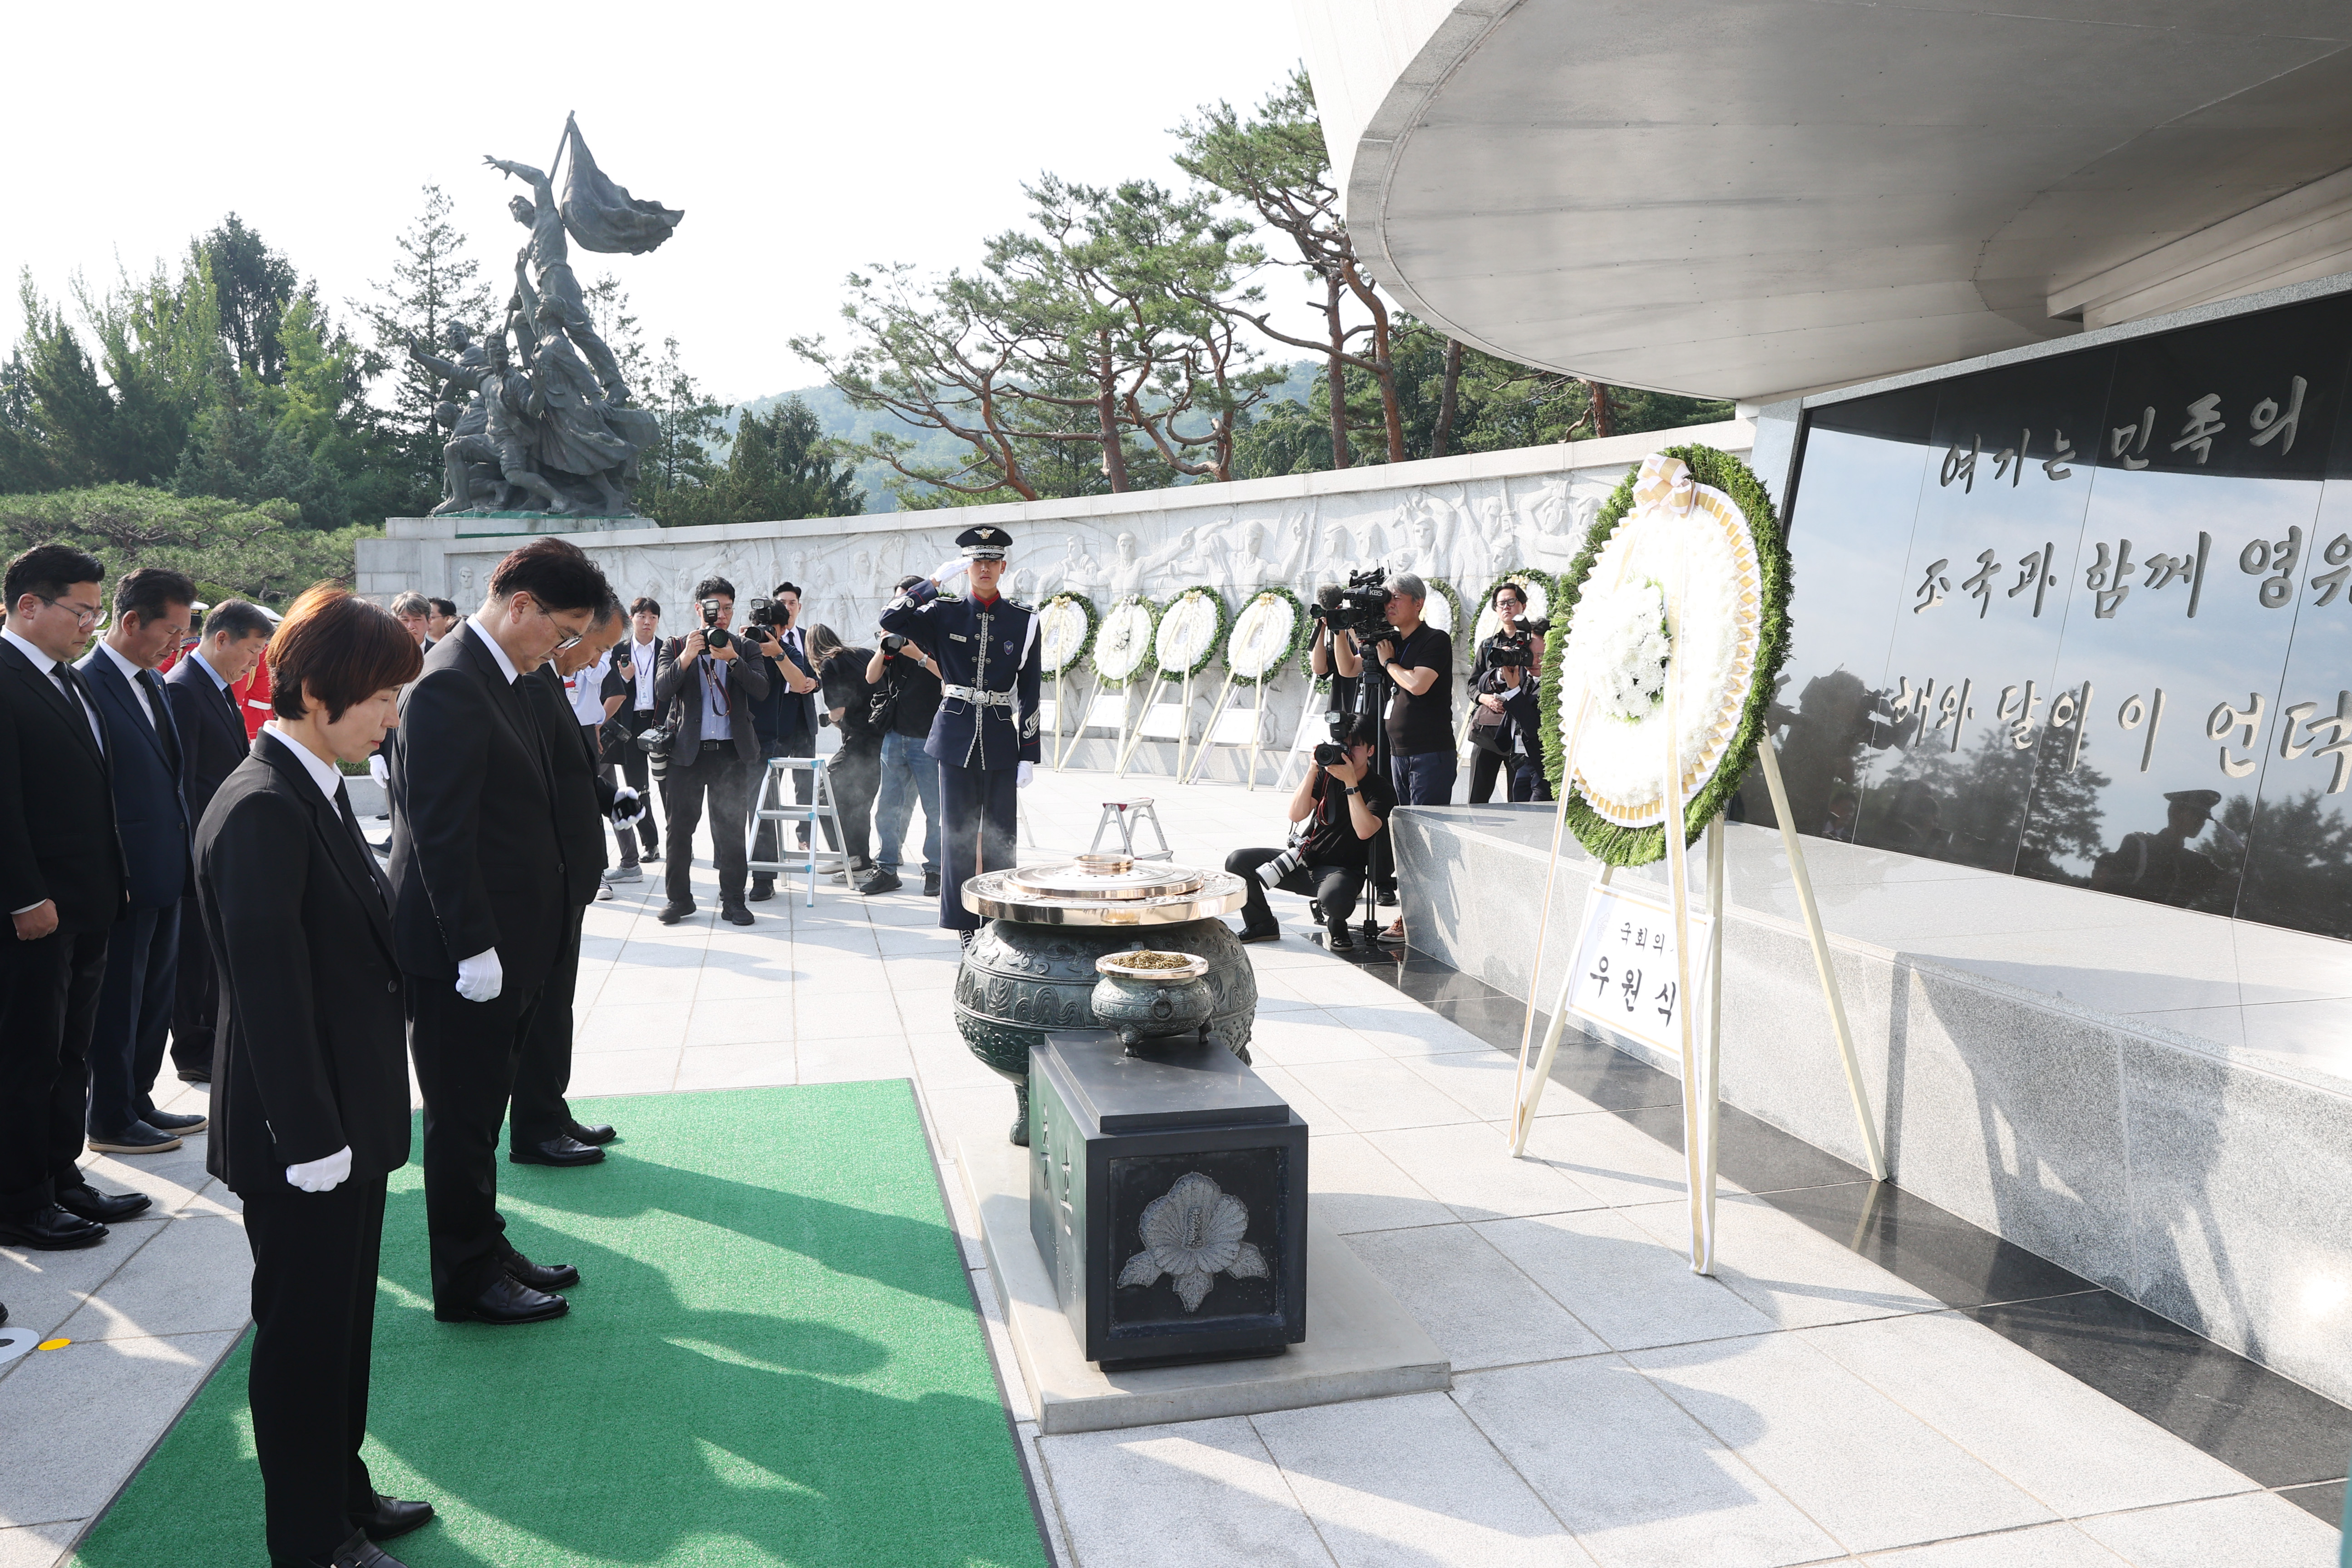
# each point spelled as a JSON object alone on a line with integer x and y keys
{"x": 391, "y": 1517}
{"x": 195, "y": 1075}
{"x": 540, "y": 1276}
{"x": 359, "y": 1551}
{"x": 735, "y": 915}
{"x": 599, "y": 1134}
{"x": 1270, "y": 933}
{"x": 673, "y": 913}
{"x": 506, "y": 1302}
{"x": 560, "y": 1149}
{"x": 100, "y": 1209}
{"x": 51, "y": 1229}
{"x": 930, "y": 884}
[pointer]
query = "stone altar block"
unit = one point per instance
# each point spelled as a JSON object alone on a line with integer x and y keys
{"x": 1167, "y": 1199}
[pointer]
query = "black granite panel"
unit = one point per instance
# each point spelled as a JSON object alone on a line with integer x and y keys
{"x": 2324, "y": 1501}
{"x": 1925, "y": 1247}
{"x": 2279, "y": 1433}
{"x": 1748, "y": 1149}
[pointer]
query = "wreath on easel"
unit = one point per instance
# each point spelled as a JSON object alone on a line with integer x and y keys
{"x": 1702, "y": 526}
{"x": 1122, "y": 645}
{"x": 1190, "y": 630}
{"x": 1062, "y": 645}
{"x": 1251, "y": 651}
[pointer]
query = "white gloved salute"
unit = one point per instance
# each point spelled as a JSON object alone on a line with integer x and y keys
{"x": 947, "y": 569}
{"x": 323, "y": 1175}
{"x": 379, "y": 771}
{"x": 1022, "y": 775}
{"x": 628, "y": 805}
{"x": 481, "y": 977}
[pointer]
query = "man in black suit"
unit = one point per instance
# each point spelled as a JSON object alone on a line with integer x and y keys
{"x": 716, "y": 678}
{"x": 201, "y": 689}
{"x": 312, "y": 1101}
{"x": 478, "y": 868}
{"x": 541, "y": 1130}
{"x": 152, "y": 611}
{"x": 63, "y": 884}
{"x": 631, "y": 679}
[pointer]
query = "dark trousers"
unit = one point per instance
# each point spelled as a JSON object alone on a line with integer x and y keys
{"x": 540, "y": 1112}
{"x": 134, "y": 1014}
{"x": 856, "y": 774}
{"x": 314, "y": 1282}
{"x": 628, "y": 764}
{"x": 196, "y": 994}
{"x": 980, "y": 809}
{"x": 466, "y": 1053}
{"x": 1333, "y": 887}
{"x": 48, "y": 1003}
{"x": 717, "y": 772}
{"x": 1424, "y": 778}
{"x": 1525, "y": 776}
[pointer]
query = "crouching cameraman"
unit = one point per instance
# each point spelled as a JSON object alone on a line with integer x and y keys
{"x": 1346, "y": 804}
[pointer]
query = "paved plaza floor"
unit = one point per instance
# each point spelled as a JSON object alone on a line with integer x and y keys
{"x": 1829, "y": 1398}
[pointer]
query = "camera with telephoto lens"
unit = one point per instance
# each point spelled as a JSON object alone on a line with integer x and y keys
{"x": 1509, "y": 652}
{"x": 1281, "y": 866}
{"x": 713, "y": 634}
{"x": 1360, "y": 606}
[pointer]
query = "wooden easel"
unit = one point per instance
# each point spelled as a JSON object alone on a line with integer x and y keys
{"x": 1701, "y": 1049}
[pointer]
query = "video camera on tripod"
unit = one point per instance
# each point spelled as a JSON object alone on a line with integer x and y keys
{"x": 1360, "y": 606}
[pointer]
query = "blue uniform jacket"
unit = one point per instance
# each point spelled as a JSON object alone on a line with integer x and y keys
{"x": 991, "y": 648}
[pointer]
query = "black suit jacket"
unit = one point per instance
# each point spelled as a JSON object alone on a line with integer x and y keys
{"x": 212, "y": 733}
{"x": 311, "y": 1053}
{"x": 747, "y": 686}
{"x": 582, "y": 799}
{"x": 56, "y": 804}
{"x": 150, "y": 813}
{"x": 476, "y": 860}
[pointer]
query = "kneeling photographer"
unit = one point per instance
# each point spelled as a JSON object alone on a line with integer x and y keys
{"x": 1505, "y": 733}
{"x": 1346, "y": 804}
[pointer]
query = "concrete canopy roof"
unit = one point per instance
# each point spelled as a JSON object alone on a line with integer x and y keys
{"x": 1745, "y": 199}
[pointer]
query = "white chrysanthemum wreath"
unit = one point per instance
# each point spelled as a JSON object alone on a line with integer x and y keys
{"x": 1619, "y": 651}
{"x": 1062, "y": 632}
{"x": 1123, "y": 641}
{"x": 1263, "y": 635}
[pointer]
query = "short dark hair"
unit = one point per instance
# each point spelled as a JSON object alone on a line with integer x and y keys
{"x": 342, "y": 648}
{"x": 714, "y": 588}
{"x": 792, "y": 588}
{"x": 150, "y": 591}
{"x": 555, "y": 572}
{"x": 908, "y": 583}
{"x": 1507, "y": 586}
{"x": 611, "y": 612}
{"x": 46, "y": 571}
{"x": 444, "y": 606}
{"x": 1363, "y": 731}
{"x": 239, "y": 617}
{"x": 643, "y": 602}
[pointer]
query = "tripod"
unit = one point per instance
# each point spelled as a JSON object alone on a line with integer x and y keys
{"x": 1374, "y": 689}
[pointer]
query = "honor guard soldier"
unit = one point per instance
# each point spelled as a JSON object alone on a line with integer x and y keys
{"x": 984, "y": 736}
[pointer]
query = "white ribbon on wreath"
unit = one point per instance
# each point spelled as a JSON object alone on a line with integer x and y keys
{"x": 1062, "y": 629}
{"x": 1261, "y": 636}
{"x": 1122, "y": 640}
{"x": 1187, "y": 628}
{"x": 1681, "y": 539}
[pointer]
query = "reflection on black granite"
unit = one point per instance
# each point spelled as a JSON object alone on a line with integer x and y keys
{"x": 2039, "y": 608}
{"x": 2277, "y": 1432}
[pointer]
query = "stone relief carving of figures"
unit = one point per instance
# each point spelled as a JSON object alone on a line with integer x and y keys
{"x": 1245, "y": 559}
{"x": 1554, "y": 527}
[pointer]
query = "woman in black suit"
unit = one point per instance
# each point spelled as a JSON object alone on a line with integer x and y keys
{"x": 310, "y": 1079}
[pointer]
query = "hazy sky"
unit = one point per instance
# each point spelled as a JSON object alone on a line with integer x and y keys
{"x": 802, "y": 141}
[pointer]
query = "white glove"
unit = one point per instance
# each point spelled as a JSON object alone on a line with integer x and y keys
{"x": 379, "y": 771}
{"x": 954, "y": 568}
{"x": 480, "y": 978}
{"x": 628, "y": 806}
{"x": 323, "y": 1175}
{"x": 1023, "y": 774}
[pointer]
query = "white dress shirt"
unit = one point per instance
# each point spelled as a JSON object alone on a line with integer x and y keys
{"x": 138, "y": 686}
{"x": 325, "y": 774}
{"x": 641, "y": 655}
{"x": 718, "y": 723}
{"x": 585, "y": 688}
{"x": 49, "y": 667}
{"x": 505, "y": 664}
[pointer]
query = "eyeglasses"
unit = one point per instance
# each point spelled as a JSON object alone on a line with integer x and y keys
{"x": 83, "y": 618}
{"x": 570, "y": 639}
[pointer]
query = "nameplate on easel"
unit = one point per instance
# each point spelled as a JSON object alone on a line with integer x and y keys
{"x": 1625, "y": 970}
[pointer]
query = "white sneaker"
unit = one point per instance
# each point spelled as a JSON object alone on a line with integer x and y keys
{"x": 604, "y": 892}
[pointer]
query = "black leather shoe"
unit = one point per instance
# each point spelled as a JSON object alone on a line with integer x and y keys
{"x": 195, "y": 1075}
{"x": 1340, "y": 940}
{"x": 540, "y": 1276}
{"x": 100, "y": 1209}
{"x": 930, "y": 884}
{"x": 506, "y": 1302}
{"x": 51, "y": 1229}
{"x": 735, "y": 915}
{"x": 673, "y": 913}
{"x": 599, "y": 1134}
{"x": 359, "y": 1551}
{"x": 391, "y": 1517}
{"x": 560, "y": 1149}
{"x": 763, "y": 890}
{"x": 1270, "y": 933}
{"x": 651, "y": 857}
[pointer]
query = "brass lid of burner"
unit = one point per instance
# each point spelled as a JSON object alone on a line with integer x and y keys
{"x": 1173, "y": 896}
{"x": 1095, "y": 879}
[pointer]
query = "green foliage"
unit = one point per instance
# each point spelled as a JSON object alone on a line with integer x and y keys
{"x": 781, "y": 466}
{"x": 258, "y": 552}
{"x": 689, "y": 426}
{"x": 1605, "y": 840}
{"x": 434, "y": 283}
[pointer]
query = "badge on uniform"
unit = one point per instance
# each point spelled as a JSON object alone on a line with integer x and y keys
{"x": 1008, "y": 644}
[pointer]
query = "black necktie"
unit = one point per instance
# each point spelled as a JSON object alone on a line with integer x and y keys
{"x": 235, "y": 713}
{"x": 79, "y": 696}
{"x": 375, "y": 872}
{"x": 152, "y": 685}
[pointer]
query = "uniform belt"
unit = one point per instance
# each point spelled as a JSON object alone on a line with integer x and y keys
{"x": 981, "y": 698}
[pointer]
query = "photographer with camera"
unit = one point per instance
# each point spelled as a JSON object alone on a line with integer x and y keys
{"x": 716, "y": 686}
{"x": 906, "y": 698}
{"x": 631, "y": 679}
{"x": 1345, "y": 803}
{"x": 856, "y": 770}
{"x": 786, "y": 720}
{"x": 1505, "y": 730}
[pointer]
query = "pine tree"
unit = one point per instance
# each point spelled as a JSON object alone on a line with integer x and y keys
{"x": 433, "y": 284}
